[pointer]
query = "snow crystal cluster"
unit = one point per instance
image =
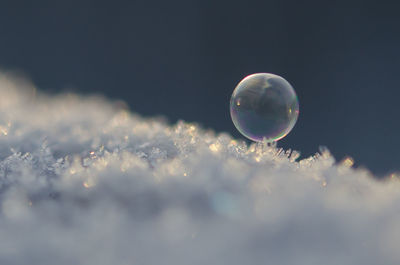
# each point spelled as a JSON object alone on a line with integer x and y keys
{"x": 85, "y": 181}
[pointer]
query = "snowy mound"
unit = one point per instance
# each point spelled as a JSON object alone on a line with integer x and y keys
{"x": 84, "y": 181}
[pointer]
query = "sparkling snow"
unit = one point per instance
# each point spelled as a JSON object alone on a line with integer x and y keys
{"x": 85, "y": 181}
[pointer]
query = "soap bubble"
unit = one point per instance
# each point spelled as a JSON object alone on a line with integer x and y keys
{"x": 264, "y": 106}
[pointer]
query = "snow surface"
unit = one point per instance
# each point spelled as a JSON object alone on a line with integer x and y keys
{"x": 85, "y": 181}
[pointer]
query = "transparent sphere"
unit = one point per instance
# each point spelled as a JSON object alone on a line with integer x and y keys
{"x": 264, "y": 106}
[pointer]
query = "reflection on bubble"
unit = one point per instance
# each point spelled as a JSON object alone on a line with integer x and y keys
{"x": 264, "y": 106}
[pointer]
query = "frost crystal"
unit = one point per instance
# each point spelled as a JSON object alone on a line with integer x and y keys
{"x": 84, "y": 181}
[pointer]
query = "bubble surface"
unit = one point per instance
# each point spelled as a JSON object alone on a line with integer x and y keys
{"x": 264, "y": 106}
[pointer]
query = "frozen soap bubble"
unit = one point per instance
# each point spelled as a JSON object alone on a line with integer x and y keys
{"x": 264, "y": 106}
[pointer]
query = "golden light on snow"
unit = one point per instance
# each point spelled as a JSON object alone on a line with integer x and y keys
{"x": 215, "y": 147}
{"x": 348, "y": 162}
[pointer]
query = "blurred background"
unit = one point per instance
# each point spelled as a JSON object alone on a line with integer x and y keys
{"x": 182, "y": 59}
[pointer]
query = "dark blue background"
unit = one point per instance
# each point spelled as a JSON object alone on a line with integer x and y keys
{"x": 182, "y": 59}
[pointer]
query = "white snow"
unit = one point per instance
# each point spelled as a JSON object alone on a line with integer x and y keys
{"x": 85, "y": 181}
